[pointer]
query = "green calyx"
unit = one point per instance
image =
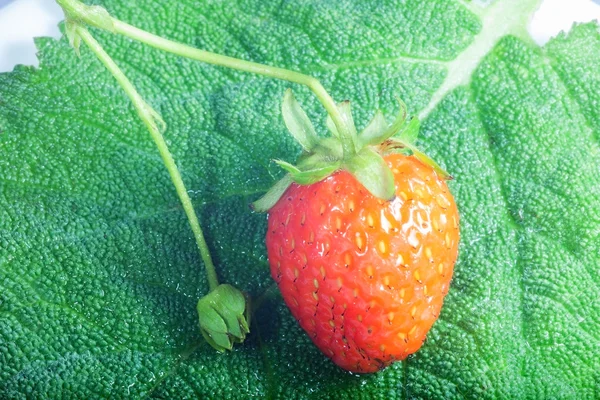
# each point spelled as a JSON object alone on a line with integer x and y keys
{"x": 361, "y": 154}
{"x": 224, "y": 317}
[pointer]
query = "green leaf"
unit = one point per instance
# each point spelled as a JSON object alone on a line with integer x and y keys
{"x": 100, "y": 274}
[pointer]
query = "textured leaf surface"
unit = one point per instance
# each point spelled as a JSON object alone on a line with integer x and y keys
{"x": 99, "y": 273}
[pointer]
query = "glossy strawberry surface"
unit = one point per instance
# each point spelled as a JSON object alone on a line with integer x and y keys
{"x": 365, "y": 278}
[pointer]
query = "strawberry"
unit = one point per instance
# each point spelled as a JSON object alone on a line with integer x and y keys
{"x": 363, "y": 269}
{"x": 365, "y": 278}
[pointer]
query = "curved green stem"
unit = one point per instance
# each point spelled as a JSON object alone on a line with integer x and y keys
{"x": 183, "y": 50}
{"x": 98, "y": 17}
{"x": 78, "y": 14}
{"x": 151, "y": 119}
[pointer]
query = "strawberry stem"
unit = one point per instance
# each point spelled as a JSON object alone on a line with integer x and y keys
{"x": 152, "y": 120}
{"x": 208, "y": 57}
{"x": 98, "y": 17}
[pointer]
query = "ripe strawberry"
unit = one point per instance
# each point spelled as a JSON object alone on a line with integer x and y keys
{"x": 362, "y": 237}
{"x": 365, "y": 278}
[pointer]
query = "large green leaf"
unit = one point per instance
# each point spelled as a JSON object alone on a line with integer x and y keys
{"x": 99, "y": 273}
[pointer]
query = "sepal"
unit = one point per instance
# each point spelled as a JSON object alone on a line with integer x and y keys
{"x": 266, "y": 202}
{"x": 311, "y": 174}
{"x": 410, "y": 131}
{"x": 371, "y": 133}
{"x": 378, "y": 130}
{"x": 371, "y": 170}
{"x": 425, "y": 159}
{"x": 223, "y": 315}
{"x": 359, "y": 154}
{"x": 297, "y": 122}
{"x": 395, "y": 145}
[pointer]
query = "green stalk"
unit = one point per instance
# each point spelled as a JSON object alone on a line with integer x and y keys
{"x": 241, "y": 65}
{"x": 150, "y": 119}
{"x": 98, "y": 17}
{"x": 79, "y": 14}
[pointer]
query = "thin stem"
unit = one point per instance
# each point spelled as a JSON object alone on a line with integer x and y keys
{"x": 183, "y": 50}
{"x": 98, "y": 17}
{"x": 150, "y": 119}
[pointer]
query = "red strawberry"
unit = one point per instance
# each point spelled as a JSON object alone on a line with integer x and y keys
{"x": 364, "y": 277}
{"x": 362, "y": 238}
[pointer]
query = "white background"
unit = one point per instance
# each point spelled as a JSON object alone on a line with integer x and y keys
{"x": 21, "y": 20}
